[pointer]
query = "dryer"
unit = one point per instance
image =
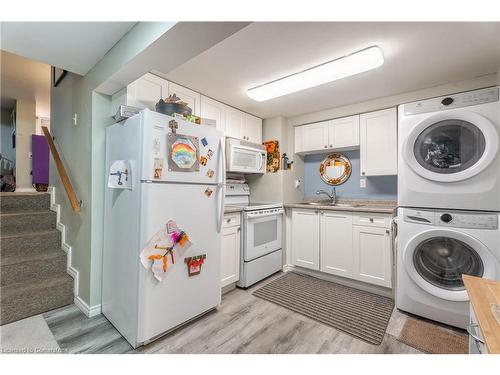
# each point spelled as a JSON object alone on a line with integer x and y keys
{"x": 448, "y": 152}
{"x": 435, "y": 247}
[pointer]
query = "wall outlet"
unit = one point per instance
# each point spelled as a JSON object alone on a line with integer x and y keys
{"x": 362, "y": 183}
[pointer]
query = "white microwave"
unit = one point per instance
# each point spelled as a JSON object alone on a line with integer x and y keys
{"x": 245, "y": 157}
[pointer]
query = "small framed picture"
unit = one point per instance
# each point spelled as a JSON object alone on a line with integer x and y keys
{"x": 57, "y": 75}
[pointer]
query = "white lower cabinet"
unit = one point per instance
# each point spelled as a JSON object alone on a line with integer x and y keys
{"x": 336, "y": 243}
{"x": 305, "y": 241}
{"x": 372, "y": 255}
{"x": 230, "y": 257}
{"x": 331, "y": 242}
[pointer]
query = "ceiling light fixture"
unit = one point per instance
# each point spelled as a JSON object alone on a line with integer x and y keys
{"x": 355, "y": 63}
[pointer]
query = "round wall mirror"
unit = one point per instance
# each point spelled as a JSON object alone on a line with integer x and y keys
{"x": 335, "y": 169}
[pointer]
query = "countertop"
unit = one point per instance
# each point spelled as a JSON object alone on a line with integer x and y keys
{"x": 228, "y": 209}
{"x": 356, "y": 205}
{"x": 483, "y": 293}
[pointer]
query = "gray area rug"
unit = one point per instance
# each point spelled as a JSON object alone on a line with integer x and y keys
{"x": 361, "y": 314}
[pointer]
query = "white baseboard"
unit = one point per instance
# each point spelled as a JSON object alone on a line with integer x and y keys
{"x": 375, "y": 289}
{"x": 89, "y": 311}
{"x": 73, "y": 272}
{"x": 25, "y": 190}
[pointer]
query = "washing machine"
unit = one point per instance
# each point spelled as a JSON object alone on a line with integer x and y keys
{"x": 434, "y": 249}
{"x": 448, "y": 152}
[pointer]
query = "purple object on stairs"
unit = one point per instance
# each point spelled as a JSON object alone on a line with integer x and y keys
{"x": 40, "y": 161}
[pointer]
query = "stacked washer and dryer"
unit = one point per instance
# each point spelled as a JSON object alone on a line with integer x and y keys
{"x": 449, "y": 202}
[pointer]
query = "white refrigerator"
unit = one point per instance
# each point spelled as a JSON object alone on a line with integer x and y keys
{"x": 168, "y": 172}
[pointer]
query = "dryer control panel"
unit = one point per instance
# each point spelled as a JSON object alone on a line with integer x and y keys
{"x": 455, "y": 219}
{"x": 464, "y": 99}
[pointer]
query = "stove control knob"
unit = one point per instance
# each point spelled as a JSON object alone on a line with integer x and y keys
{"x": 446, "y": 218}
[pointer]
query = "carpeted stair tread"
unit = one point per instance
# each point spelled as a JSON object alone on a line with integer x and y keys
{"x": 31, "y": 243}
{"x": 32, "y": 269}
{"x": 16, "y": 202}
{"x": 23, "y": 300}
{"x": 27, "y": 221}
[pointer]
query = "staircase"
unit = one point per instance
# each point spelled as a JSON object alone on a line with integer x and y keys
{"x": 33, "y": 277}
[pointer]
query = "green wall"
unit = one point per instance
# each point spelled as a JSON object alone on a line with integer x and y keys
{"x": 82, "y": 150}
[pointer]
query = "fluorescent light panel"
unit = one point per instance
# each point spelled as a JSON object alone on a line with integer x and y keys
{"x": 355, "y": 63}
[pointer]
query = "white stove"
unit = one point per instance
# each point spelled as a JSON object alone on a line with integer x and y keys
{"x": 262, "y": 231}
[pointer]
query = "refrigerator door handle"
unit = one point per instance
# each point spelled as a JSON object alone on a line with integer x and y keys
{"x": 221, "y": 184}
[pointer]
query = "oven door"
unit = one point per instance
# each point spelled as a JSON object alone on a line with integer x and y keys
{"x": 262, "y": 234}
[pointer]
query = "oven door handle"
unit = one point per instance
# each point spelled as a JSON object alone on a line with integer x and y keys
{"x": 250, "y": 216}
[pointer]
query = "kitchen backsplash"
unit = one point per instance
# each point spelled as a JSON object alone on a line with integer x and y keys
{"x": 377, "y": 187}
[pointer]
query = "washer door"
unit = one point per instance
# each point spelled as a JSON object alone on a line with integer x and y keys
{"x": 451, "y": 146}
{"x": 437, "y": 259}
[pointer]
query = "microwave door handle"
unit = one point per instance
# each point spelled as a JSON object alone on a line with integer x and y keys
{"x": 262, "y": 156}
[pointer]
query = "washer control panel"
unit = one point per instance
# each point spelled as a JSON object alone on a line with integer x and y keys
{"x": 455, "y": 219}
{"x": 467, "y": 220}
{"x": 464, "y": 99}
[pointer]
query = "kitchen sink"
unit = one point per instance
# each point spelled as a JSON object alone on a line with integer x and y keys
{"x": 331, "y": 204}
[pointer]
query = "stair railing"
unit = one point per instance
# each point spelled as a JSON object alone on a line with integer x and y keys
{"x": 75, "y": 203}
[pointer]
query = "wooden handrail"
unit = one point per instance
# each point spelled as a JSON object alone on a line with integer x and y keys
{"x": 75, "y": 203}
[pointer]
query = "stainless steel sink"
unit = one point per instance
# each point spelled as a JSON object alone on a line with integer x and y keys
{"x": 331, "y": 204}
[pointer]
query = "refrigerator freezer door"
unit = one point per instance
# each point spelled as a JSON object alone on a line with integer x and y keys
{"x": 179, "y": 297}
{"x": 192, "y": 155}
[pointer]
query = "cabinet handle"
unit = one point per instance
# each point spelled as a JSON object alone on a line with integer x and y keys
{"x": 331, "y": 145}
{"x": 371, "y": 220}
{"x": 363, "y": 173}
{"x": 316, "y": 211}
{"x": 326, "y": 146}
{"x": 228, "y": 220}
{"x": 321, "y": 212}
{"x": 387, "y": 231}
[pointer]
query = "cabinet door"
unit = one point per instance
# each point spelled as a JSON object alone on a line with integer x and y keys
{"x": 315, "y": 136}
{"x": 146, "y": 91}
{"x": 305, "y": 238}
{"x": 252, "y": 130}
{"x": 372, "y": 255}
{"x": 298, "y": 139}
{"x": 343, "y": 132}
{"x": 378, "y": 143}
{"x": 212, "y": 109}
{"x": 192, "y": 98}
{"x": 336, "y": 243}
{"x": 230, "y": 257}
{"x": 234, "y": 123}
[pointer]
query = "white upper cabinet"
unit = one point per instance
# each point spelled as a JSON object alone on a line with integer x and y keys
{"x": 214, "y": 110}
{"x": 312, "y": 137}
{"x": 378, "y": 143}
{"x": 147, "y": 91}
{"x": 252, "y": 130}
{"x": 192, "y": 98}
{"x": 336, "y": 243}
{"x": 235, "y": 121}
{"x": 343, "y": 132}
{"x": 305, "y": 238}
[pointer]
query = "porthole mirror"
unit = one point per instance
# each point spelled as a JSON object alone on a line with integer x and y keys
{"x": 335, "y": 169}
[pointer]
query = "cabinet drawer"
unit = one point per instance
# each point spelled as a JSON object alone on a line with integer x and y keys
{"x": 374, "y": 220}
{"x": 231, "y": 220}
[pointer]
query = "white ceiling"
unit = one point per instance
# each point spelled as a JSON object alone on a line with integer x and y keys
{"x": 74, "y": 46}
{"x": 22, "y": 78}
{"x": 417, "y": 56}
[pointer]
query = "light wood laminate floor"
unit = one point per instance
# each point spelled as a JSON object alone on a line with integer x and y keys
{"x": 242, "y": 324}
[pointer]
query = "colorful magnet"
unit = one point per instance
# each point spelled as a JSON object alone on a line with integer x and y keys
{"x": 194, "y": 264}
{"x": 172, "y": 227}
{"x": 156, "y": 146}
{"x": 204, "y": 142}
{"x": 210, "y": 173}
{"x": 183, "y": 153}
{"x": 203, "y": 160}
{"x": 208, "y": 192}
{"x": 210, "y": 153}
{"x": 158, "y": 168}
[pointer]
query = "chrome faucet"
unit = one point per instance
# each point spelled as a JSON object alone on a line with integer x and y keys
{"x": 332, "y": 196}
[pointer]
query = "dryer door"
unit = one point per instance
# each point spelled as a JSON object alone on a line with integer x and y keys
{"x": 451, "y": 146}
{"x": 437, "y": 259}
